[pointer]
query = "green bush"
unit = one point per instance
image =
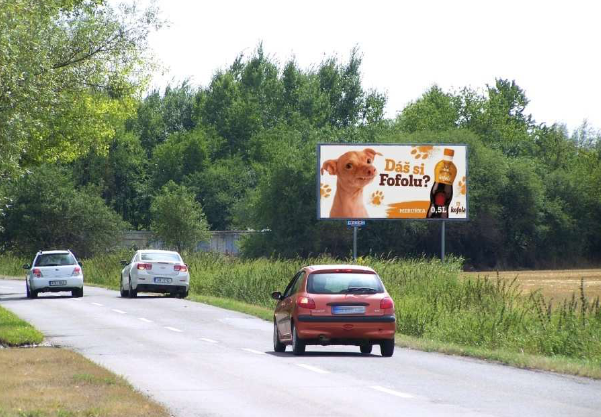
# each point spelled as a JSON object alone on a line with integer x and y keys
{"x": 48, "y": 212}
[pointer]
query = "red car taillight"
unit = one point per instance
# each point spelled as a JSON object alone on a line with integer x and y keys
{"x": 305, "y": 302}
{"x": 146, "y": 267}
{"x": 181, "y": 268}
{"x": 386, "y": 303}
{"x": 37, "y": 272}
{"x": 76, "y": 271}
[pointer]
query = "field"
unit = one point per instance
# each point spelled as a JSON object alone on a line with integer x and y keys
{"x": 556, "y": 285}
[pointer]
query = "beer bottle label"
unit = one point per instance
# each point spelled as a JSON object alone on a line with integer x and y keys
{"x": 440, "y": 199}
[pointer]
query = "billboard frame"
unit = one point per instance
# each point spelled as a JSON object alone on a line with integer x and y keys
{"x": 318, "y": 183}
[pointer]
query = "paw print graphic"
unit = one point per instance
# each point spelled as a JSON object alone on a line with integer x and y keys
{"x": 421, "y": 152}
{"x": 462, "y": 186}
{"x": 325, "y": 190}
{"x": 377, "y": 197}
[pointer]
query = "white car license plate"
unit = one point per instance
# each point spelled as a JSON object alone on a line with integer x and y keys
{"x": 58, "y": 283}
{"x": 159, "y": 280}
{"x": 348, "y": 310}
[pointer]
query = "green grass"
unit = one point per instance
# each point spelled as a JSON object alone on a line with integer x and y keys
{"x": 12, "y": 266}
{"x": 229, "y": 304}
{"x": 16, "y": 332}
{"x": 560, "y": 364}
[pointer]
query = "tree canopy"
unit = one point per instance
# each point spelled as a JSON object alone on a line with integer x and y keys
{"x": 70, "y": 72}
{"x": 177, "y": 219}
{"x": 239, "y": 152}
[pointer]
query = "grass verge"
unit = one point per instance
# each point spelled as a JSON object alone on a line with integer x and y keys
{"x": 44, "y": 382}
{"x": 16, "y": 332}
{"x": 235, "y": 305}
{"x": 557, "y": 364}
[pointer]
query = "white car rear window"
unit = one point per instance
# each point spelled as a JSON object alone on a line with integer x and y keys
{"x": 55, "y": 259}
{"x": 160, "y": 256}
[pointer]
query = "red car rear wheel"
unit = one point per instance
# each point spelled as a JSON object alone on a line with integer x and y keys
{"x": 277, "y": 345}
{"x": 298, "y": 346}
{"x": 387, "y": 348}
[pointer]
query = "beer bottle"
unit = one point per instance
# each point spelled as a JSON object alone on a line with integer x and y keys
{"x": 441, "y": 193}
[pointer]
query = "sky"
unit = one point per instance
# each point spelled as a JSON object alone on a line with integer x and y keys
{"x": 550, "y": 48}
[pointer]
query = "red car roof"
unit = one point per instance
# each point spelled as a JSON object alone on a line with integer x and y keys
{"x": 339, "y": 268}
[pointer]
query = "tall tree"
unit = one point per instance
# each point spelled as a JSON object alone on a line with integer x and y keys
{"x": 177, "y": 219}
{"x": 181, "y": 155}
{"x": 435, "y": 110}
{"x": 254, "y": 94}
{"x": 70, "y": 69}
{"x": 160, "y": 115}
{"x": 500, "y": 118}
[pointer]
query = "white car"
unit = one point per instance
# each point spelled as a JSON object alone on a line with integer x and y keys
{"x": 54, "y": 271}
{"x": 155, "y": 271}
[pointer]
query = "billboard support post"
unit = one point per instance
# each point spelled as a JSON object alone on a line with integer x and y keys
{"x": 442, "y": 241}
{"x": 355, "y": 243}
{"x": 410, "y": 181}
{"x": 355, "y": 224}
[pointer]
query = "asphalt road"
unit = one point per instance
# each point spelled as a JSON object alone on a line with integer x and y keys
{"x": 200, "y": 360}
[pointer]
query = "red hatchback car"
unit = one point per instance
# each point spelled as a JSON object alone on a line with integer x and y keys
{"x": 334, "y": 305}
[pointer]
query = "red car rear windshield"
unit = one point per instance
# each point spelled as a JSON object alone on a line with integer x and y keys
{"x": 344, "y": 283}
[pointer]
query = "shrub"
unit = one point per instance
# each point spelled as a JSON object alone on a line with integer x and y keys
{"x": 48, "y": 212}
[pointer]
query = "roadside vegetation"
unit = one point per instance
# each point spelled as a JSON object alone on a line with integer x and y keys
{"x": 435, "y": 306}
{"x": 12, "y": 265}
{"x": 16, "y": 332}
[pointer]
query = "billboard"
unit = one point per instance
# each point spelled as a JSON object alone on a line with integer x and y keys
{"x": 376, "y": 181}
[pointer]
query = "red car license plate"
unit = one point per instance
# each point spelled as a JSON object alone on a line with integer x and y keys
{"x": 348, "y": 310}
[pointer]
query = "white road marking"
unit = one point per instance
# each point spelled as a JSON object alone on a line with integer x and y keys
{"x": 98, "y": 304}
{"x": 5, "y": 288}
{"x": 119, "y": 311}
{"x": 313, "y": 368}
{"x": 75, "y": 299}
{"x": 143, "y": 319}
{"x": 209, "y": 340}
{"x": 173, "y": 329}
{"x": 253, "y": 351}
{"x": 392, "y": 392}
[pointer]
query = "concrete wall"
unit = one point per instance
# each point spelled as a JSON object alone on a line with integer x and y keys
{"x": 221, "y": 241}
